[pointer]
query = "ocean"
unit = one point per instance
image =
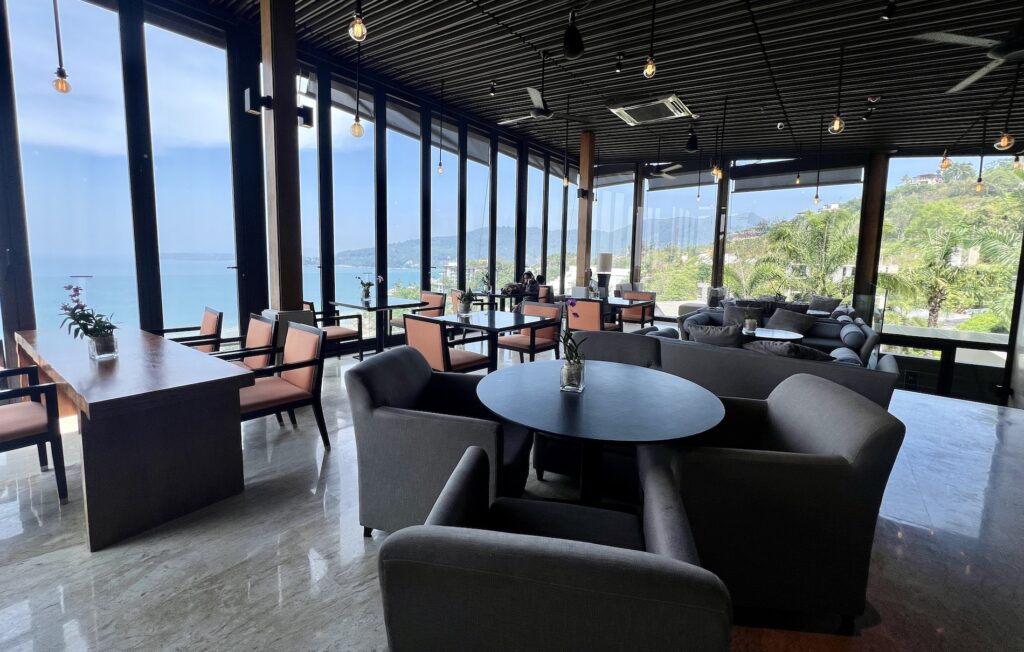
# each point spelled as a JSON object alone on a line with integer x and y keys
{"x": 188, "y": 285}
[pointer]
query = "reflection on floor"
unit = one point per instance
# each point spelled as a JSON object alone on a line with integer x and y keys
{"x": 285, "y": 566}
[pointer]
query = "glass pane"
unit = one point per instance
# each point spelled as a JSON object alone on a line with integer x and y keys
{"x": 444, "y": 210}
{"x": 534, "y": 216}
{"x": 76, "y": 176}
{"x": 478, "y": 182}
{"x": 403, "y": 201}
{"x": 781, "y": 242}
{"x": 678, "y": 244}
{"x": 555, "y": 191}
{"x": 355, "y": 256}
{"x": 309, "y": 202}
{"x": 949, "y": 252}
{"x": 192, "y": 167}
{"x": 571, "y": 236}
{"x": 612, "y": 230}
{"x": 506, "y": 251}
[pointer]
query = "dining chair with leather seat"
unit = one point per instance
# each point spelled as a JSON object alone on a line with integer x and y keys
{"x": 531, "y": 341}
{"x": 429, "y": 338}
{"x": 435, "y": 308}
{"x": 33, "y": 422}
{"x": 335, "y": 333}
{"x": 639, "y": 314}
{"x": 208, "y": 337}
{"x": 588, "y": 315}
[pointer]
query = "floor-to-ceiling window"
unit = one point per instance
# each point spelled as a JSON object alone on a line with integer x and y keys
{"x": 779, "y": 241}
{"x": 74, "y": 159}
{"x": 188, "y": 105}
{"x": 949, "y": 258}
{"x": 555, "y": 205}
{"x": 505, "y": 262}
{"x": 355, "y": 254}
{"x": 612, "y": 225}
{"x": 572, "y": 232}
{"x": 478, "y": 182}
{"x": 403, "y": 250}
{"x": 309, "y": 197}
{"x": 678, "y": 239}
{"x": 534, "y": 211}
{"x": 444, "y": 205}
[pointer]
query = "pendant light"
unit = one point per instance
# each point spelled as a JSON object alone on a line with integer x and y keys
{"x": 357, "y": 129}
{"x": 1006, "y": 139}
{"x": 650, "y": 68}
{"x": 565, "y": 149}
{"x": 691, "y": 141}
{"x": 797, "y": 182}
{"x": 946, "y": 162}
{"x": 357, "y": 28}
{"x": 817, "y": 180}
{"x": 440, "y": 139}
{"x": 572, "y": 46}
{"x": 716, "y": 171}
{"x": 60, "y": 82}
{"x": 838, "y": 124}
{"x": 979, "y": 186}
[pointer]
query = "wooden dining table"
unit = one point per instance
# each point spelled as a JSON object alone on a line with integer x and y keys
{"x": 160, "y": 428}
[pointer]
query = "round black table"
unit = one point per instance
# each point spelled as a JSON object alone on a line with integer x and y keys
{"x": 619, "y": 403}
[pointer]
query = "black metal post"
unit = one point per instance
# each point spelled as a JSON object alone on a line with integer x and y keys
{"x": 325, "y": 184}
{"x": 462, "y": 217}
{"x": 380, "y": 183}
{"x": 544, "y": 217}
{"x": 492, "y": 212}
{"x": 426, "y": 138}
{"x": 522, "y": 192}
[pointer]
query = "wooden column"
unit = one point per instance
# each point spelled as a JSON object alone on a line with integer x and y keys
{"x": 325, "y": 184}
{"x": 869, "y": 242}
{"x": 587, "y": 147}
{"x": 522, "y": 181}
{"x": 247, "y": 176}
{"x": 140, "y": 163}
{"x": 16, "y": 308}
{"x": 462, "y": 219}
{"x": 426, "y": 186}
{"x": 636, "y": 248}
{"x": 721, "y": 226}
{"x": 280, "y": 133}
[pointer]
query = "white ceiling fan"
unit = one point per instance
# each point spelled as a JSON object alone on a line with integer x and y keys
{"x": 540, "y": 110}
{"x": 1009, "y": 48}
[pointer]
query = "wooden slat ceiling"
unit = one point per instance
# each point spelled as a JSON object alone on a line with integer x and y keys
{"x": 705, "y": 51}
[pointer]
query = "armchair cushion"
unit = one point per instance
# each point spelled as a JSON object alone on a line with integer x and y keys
{"x": 788, "y": 320}
{"x": 845, "y": 356}
{"x": 269, "y": 391}
{"x": 824, "y": 304}
{"x": 523, "y": 342}
{"x": 852, "y": 336}
{"x": 335, "y": 333}
{"x": 564, "y": 521}
{"x": 730, "y": 335}
{"x": 22, "y": 419}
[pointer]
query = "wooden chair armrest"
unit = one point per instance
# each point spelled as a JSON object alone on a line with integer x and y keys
{"x": 49, "y": 390}
{"x": 246, "y": 353}
{"x": 32, "y": 373}
{"x": 178, "y": 329}
{"x": 291, "y": 366}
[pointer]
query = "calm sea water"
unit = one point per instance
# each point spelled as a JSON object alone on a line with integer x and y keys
{"x": 187, "y": 286}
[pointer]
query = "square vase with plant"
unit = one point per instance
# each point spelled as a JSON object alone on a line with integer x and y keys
{"x": 368, "y": 285}
{"x": 572, "y": 369}
{"x": 84, "y": 322}
{"x": 466, "y": 299}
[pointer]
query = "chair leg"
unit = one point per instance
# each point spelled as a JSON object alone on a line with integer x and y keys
{"x": 533, "y": 356}
{"x": 367, "y": 531}
{"x": 318, "y": 412}
{"x": 280, "y": 419}
{"x": 291, "y": 417}
{"x": 521, "y": 358}
{"x": 58, "y": 469}
{"x": 43, "y": 464}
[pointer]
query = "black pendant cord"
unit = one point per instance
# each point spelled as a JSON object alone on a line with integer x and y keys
{"x": 771, "y": 71}
{"x": 359, "y": 8}
{"x": 359, "y": 64}
{"x": 440, "y": 138}
{"x": 1013, "y": 96}
{"x": 714, "y": 162}
{"x": 839, "y": 91}
{"x": 565, "y": 148}
{"x": 725, "y": 115}
{"x": 821, "y": 135}
{"x": 654, "y": 5}
{"x": 984, "y": 137}
{"x": 60, "y": 45}
{"x": 698, "y": 174}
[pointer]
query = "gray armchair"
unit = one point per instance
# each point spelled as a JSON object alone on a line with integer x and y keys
{"x": 783, "y": 495}
{"x": 412, "y": 425}
{"x": 534, "y": 575}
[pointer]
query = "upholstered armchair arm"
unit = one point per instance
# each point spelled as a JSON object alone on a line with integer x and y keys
{"x": 568, "y": 594}
{"x": 407, "y": 456}
{"x": 666, "y": 527}
{"x": 463, "y": 501}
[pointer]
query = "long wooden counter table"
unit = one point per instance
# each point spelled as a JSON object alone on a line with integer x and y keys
{"x": 160, "y": 427}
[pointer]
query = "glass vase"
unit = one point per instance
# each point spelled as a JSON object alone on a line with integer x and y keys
{"x": 103, "y": 348}
{"x": 572, "y": 377}
{"x": 465, "y": 308}
{"x": 366, "y": 294}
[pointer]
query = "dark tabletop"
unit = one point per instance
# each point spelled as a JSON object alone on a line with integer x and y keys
{"x": 492, "y": 321}
{"x": 619, "y": 402}
{"x": 393, "y": 303}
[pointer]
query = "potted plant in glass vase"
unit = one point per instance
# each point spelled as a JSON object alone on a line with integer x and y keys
{"x": 367, "y": 286}
{"x": 466, "y": 300}
{"x": 749, "y": 321}
{"x": 82, "y": 321}
{"x": 571, "y": 379}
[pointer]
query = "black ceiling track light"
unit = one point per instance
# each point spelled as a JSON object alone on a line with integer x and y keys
{"x": 650, "y": 68}
{"x": 440, "y": 138}
{"x": 572, "y": 46}
{"x": 494, "y": 88}
{"x": 691, "y": 141}
{"x": 618, "y": 61}
{"x": 890, "y": 10}
{"x": 60, "y": 82}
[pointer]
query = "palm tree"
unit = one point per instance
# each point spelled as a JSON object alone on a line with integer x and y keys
{"x": 935, "y": 275}
{"x": 822, "y": 242}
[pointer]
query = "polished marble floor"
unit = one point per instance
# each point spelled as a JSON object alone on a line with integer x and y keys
{"x": 284, "y": 565}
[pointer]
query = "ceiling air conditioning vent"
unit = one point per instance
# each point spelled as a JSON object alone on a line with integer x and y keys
{"x": 655, "y": 109}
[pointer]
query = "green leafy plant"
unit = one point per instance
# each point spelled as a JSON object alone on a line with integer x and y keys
{"x": 570, "y": 349}
{"x": 81, "y": 320}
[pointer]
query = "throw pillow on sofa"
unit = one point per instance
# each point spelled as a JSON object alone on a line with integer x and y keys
{"x": 788, "y": 350}
{"x": 824, "y": 304}
{"x": 736, "y": 315}
{"x": 852, "y": 336}
{"x": 717, "y": 335}
{"x": 846, "y": 356}
{"x": 787, "y": 320}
